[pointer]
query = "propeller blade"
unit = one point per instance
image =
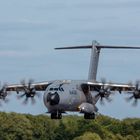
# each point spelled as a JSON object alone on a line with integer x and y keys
{"x": 3, "y": 93}
{"x": 137, "y": 85}
{"x": 21, "y": 96}
{"x": 38, "y": 94}
{"x": 102, "y": 101}
{"x": 33, "y": 101}
{"x": 135, "y": 102}
{"x": 25, "y": 101}
{"x": 128, "y": 99}
{"x": 6, "y": 100}
{"x": 103, "y": 80}
{"x": 135, "y": 94}
{"x": 98, "y": 95}
{"x": 104, "y": 92}
{"x": 108, "y": 99}
{"x": 30, "y": 83}
{"x": 29, "y": 91}
{"x": 23, "y": 82}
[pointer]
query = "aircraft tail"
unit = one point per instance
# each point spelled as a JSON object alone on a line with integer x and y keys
{"x": 95, "y": 52}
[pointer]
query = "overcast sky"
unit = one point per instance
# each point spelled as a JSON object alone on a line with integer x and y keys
{"x": 30, "y": 29}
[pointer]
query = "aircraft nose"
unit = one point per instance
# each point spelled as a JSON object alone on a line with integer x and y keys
{"x": 53, "y": 98}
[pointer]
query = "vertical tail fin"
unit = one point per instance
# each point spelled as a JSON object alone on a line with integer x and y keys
{"x": 95, "y": 52}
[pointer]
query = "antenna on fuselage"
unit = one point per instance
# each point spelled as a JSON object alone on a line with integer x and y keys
{"x": 95, "y": 52}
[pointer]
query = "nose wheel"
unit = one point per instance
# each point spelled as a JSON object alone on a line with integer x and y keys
{"x": 56, "y": 115}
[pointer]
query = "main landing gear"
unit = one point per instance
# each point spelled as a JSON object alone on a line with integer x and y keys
{"x": 89, "y": 116}
{"x": 56, "y": 115}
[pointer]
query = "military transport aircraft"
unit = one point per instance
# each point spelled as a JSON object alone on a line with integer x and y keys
{"x": 81, "y": 96}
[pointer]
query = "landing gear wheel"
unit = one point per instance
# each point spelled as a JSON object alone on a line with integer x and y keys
{"x": 53, "y": 115}
{"x": 56, "y": 115}
{"x": 89, "y": 116}
{"x": 59, "y": 116}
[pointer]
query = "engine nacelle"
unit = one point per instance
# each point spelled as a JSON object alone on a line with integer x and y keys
{"x": 87, "y": 108}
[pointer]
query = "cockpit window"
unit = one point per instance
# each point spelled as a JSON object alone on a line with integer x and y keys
{"x": 53, "y": 89}
{"x": 56, "y": 89}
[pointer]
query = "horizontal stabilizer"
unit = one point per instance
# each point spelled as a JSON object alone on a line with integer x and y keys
{"x": 116, "y": 47}
{"x": 98, "y": 46}
{"x": 75, "y": 47}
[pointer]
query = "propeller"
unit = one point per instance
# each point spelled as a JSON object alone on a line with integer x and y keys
{"x": 135, "y": 94}
{"x": 28, "y": 92}
{"x": 3, "y": 93}
{"x": 104, "y": 92}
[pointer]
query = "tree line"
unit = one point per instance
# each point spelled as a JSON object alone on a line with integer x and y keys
{"x": 14, "y": 126}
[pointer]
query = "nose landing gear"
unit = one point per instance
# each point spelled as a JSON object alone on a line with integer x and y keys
{"x": 56, "y": 115}
{"x": 89, "y": 116}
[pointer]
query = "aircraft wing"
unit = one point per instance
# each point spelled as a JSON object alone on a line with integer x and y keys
{"x": 26, "y": 91}
{"x": 104, "y": 90}
{"x": 41, "y": 86}
{"x": 96, "y": 86}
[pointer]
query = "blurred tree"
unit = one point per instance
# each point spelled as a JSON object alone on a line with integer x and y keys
{"x": 16, "y": 126}
{"x": 88, "y": 136}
